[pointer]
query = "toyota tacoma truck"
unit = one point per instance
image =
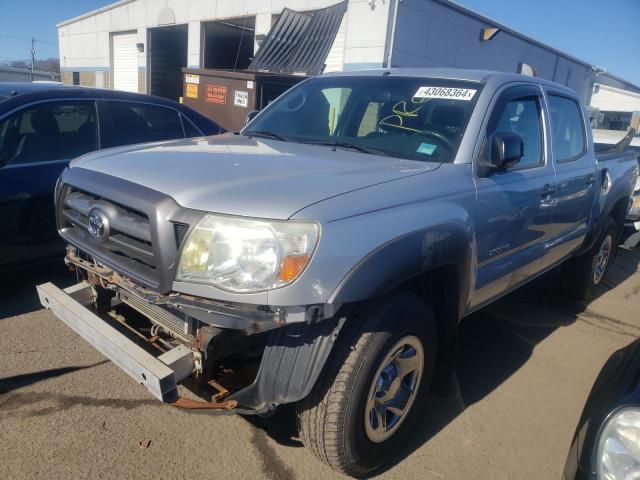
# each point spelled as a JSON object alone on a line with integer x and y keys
{"x": 326, "y": 254}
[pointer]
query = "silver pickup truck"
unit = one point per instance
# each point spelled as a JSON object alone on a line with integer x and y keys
{"x": 326, "y": 255}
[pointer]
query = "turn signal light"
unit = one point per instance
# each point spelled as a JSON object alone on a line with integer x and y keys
{"x": 292, "y": 266}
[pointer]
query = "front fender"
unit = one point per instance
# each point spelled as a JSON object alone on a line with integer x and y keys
{"x": 404, "y": 257}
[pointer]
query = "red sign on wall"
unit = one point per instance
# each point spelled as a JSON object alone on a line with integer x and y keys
{"x": 216, "y": 94}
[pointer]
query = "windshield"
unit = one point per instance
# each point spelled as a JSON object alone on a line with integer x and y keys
{"x": 414, "y": 118}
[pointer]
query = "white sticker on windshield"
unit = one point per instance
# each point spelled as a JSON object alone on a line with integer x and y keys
{"x": 450, "y": 93}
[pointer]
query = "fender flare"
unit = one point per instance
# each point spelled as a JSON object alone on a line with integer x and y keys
{"x": 409, "y": 255}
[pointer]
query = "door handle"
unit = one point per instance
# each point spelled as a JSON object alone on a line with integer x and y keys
{"x": 547, "y": 190}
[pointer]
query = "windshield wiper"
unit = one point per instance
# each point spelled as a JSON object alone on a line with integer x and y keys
{"x": 265, "y": 134}
{"x": 350, "y": 146}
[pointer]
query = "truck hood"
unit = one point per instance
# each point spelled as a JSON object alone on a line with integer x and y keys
{"x": 238, "y": 175}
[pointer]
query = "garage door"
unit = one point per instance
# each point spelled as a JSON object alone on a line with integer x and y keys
{"x": 335, "y": 59}
{"x": 125, "y": 61}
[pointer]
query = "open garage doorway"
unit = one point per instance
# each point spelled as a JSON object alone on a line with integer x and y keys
{"x": 166, "y": 57}
{"x": 228, "y": 44}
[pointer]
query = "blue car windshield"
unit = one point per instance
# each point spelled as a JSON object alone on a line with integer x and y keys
{"x": 415, "y": 118}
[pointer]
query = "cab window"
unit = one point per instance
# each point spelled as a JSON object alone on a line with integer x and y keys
{"x": 567, "y": 129}
{"x": 522, "y": 117}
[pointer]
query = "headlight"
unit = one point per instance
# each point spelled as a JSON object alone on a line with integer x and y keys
{"x": 242, "y": 255}
{"x": 619, "y": 446}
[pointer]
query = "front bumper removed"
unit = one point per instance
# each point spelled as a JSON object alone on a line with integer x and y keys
{"x": 293, "y": 356}
{"x": 160, "y": 375}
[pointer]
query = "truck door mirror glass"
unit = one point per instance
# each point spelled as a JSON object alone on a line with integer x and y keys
{"x": 506, "y": 150}
{"x": 250, "y": 116}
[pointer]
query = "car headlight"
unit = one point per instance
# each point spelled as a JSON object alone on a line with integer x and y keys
{"x": 619, "y": 446}
{"x": 243, "y": 255}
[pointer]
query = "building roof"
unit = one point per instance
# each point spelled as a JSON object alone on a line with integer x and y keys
{"x": 111, "y": 6}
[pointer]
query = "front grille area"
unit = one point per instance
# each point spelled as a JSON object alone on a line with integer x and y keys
{"x": 145, "y": 227}
{"x": 129, "y": 233}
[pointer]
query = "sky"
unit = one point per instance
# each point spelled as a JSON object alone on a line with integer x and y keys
{"x": 603, "y": 33}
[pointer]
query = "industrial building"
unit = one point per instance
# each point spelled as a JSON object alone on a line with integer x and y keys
{"x": 143, "y": 45}
{"x": 15, "y": 74}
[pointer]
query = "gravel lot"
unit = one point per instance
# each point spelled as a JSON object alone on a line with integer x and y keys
{"x": 526, "y": 367}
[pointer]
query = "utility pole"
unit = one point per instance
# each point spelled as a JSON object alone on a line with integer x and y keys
{"x": 33, "y": 56}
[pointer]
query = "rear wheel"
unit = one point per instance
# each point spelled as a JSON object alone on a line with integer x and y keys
{"x": 583, "y": 275}
{"x": 361, "y": 409}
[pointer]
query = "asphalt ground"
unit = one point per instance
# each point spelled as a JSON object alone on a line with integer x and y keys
{"x": 525, "y": 368}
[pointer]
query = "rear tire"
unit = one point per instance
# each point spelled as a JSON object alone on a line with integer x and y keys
{"x": 362, "y": 407}
{"x": 583, "y": 275}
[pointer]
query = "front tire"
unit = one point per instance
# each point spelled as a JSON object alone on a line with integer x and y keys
{"x": 374, "y": 384}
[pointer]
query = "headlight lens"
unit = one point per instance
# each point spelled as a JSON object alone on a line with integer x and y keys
{"x": 242, "y": 255}
{"x": 619, "y": 447}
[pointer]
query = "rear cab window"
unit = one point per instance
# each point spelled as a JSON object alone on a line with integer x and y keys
{"x": 567, "y": 128}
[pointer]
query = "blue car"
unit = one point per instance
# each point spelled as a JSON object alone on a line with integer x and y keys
{"x": 43, "y": 127}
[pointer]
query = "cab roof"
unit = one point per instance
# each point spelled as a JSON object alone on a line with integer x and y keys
{"x": 470, "y": 75}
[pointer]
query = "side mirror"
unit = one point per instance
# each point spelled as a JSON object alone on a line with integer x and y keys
{"x": 506, "y": 150}
{"x": 250, "y": 116}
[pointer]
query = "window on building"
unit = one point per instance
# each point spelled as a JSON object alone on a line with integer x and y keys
{"x": 48, "y": 132}
{"x": 522, "y": 116}
{"x": 76, "y": 78}
{"x": 140, "y": 123}
{"x": 567, "y": 129}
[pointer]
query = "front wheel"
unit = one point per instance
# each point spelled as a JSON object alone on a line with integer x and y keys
{"x": 374, "y": 384}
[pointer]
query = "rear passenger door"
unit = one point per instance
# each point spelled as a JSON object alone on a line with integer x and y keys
{"x": 127, "y": 123}
{"x": 514, "y": 205}
{"x": 36, "y": 143}
{"x": 575, "y": 170}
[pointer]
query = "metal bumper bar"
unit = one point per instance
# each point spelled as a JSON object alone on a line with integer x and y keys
{"x": 159, "y": 374}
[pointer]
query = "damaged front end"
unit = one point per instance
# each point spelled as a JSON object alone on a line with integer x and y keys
{"x": 240, "y": 357}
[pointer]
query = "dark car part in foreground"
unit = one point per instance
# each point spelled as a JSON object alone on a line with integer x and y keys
{"x": 45, "y": 125}
{"x": 606, "y": 445}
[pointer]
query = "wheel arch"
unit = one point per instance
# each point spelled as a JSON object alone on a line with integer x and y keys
{"x": 435, "y": 263}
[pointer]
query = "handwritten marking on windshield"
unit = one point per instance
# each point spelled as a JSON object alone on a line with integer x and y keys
{"x": 400, "y": 112}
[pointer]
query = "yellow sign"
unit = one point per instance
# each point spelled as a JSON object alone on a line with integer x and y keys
{"x": 192, "y": 90}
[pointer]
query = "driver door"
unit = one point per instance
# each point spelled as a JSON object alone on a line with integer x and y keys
{"x": 514, "y": 205}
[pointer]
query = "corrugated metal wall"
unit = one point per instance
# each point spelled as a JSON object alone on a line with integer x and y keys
{"x": 436, "y": 33}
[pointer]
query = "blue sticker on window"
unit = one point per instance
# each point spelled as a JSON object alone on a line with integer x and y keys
{"x": 427, "y": 148}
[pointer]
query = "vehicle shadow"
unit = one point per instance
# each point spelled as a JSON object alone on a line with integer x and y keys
{"x": 498, "y": 340}
{"x": 18, "y": 293}
{"x": 494, "y": 343}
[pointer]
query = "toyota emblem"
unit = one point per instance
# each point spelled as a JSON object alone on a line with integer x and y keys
{"x": 98, "y": 224}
